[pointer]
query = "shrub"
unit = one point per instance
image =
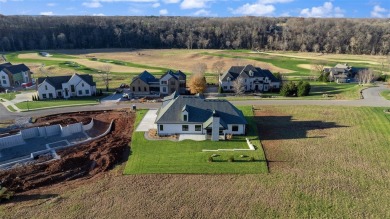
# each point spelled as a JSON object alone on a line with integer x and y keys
{"x": 303, "y": 89}
{"x": 220, "y": 90}
{"x": 231, "y": 158}
{"x": 289, "y": 89}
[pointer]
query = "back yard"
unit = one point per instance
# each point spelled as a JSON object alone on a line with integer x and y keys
{"x": 324, "y": 163}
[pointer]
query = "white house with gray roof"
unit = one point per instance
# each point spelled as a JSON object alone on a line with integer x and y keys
{"x": 66, "y": 86}
{"x": 182, "y": 114}
{"x": 254, "y": 79}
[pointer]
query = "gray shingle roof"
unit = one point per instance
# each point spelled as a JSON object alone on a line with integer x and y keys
{"x": 14, "y": 69}
{"x": 56, "y": 81}
{"x": 199, "y": 110}
{"x": 178, "y": 75}
{"x": 235, "y": 71}
{"x": 5, "y": 65}
{"x": 146, "y": 77}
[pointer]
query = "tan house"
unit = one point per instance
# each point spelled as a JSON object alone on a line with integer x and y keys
{"x": 144, "y": 84}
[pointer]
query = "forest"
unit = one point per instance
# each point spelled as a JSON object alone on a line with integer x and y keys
{"x": 327, "y": 35}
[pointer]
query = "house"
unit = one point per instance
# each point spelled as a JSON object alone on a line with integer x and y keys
{"x": 254, "y": 79}
{"x": 66, "y": 86}
{"x": 342, "y": 73}
{"x": 171, "y": 82}
{"x": 144, "y": 84}
{"x": 45, "y": 54}
{"x": 182, "y": 114}
{"x": 14, "y": 75}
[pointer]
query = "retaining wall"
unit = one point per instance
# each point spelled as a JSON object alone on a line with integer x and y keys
{"x": 70, "y": 129}
{"x": 88, "y": 126}
{"x": 11, "y": 141}
{"x": 30, "y": 133}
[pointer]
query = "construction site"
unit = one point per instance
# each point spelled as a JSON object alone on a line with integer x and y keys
{"x": 63, "y": 147}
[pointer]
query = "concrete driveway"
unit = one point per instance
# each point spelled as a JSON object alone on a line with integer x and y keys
{"x": 148, "y": 121}
{"x": 23, "y": 97}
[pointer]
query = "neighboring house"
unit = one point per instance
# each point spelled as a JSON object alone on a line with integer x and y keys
{"x": 254, "y": 79}
{"x": 147, "y": 84}
{"x": 342, "y": 73}
{"x": 172, "y": 82}
{"x": 14, "y": 75}
{"x": 181, "y": 114}
{"x": 45, "y": 54}
{"x": 66, "y": 86}
{"x": 144, "y": 84}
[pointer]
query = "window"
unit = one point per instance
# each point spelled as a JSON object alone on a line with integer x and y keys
{"x": 144, "y": 88}
{"x": 3, "y": 77}
{"x": 44, "y": 96}
{"x": 45, "y": 87}
{"x": 82, "y": 84}
{"x": 198, "y": 127}
{"x": 86, "y": 91}
{"x": 139, "y": 88}
{"x": 225, "y": 87}
{"x": 251, "y": 73}
{"x": 185, "y": 117}
{"x": 50, "y": 95}
{"x": 72, "y": 88}
{"x": 161, "y": 128}
{"x": 80, "y": 92}
{"x": 235, "y": 128}
{"x": 4, "y": 82}
{"x": 231, "y": 87}
{"x": 173, "y": 83}
{"x": 133, "y": 89}
{"x": 59, "y": 93}
{"x": 184, "y": 128}
{"x": 164, "y": 89}
{"x": 164, "y": 82}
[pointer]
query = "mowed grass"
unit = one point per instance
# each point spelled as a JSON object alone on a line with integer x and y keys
{"x": 187, "y": 156}
{"x": 30, "y": 105}
{"x": 325, "y": 163}
{"x": 8, "y": 96}
{"x": 386, "y": 94}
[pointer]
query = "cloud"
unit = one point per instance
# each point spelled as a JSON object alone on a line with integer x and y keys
{"x": 273, "y": 1}
{"x": 156, "y": 5}
{"x": 202, "y": 12}
{"x": 190, "y": 4}
{"x": 3, "y": 1}
{"x": 47, "y": 13}
{"x": 51, "y": 4}
{"x": 256, "y": 9}
{"x": 326, "y": 10}
{"x": 163, "y": 12}
{"x": 100, "y": 14}
{"x": 93, "y": 4}
{"x": 378, "y": 12}
{"x": 171, "y": 1}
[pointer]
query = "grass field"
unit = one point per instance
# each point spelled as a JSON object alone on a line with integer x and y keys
{"x": 8, "y": 96}
{"x": 56, "y": 103}
{"x": 187, "y": 156}
{"x": 386, "y": 94}
{"x": 324, "y": 163}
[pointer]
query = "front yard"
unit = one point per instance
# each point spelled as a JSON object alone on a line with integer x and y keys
{"x": 33, "y": 105}
{"x": 187, "y": 157}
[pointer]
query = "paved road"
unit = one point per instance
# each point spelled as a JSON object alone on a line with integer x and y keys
{"x": 371, "y": 98}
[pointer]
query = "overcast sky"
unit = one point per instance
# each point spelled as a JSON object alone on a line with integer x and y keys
{"x": 213, "y": 8}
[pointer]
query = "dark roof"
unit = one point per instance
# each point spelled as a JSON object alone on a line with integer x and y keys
{"x": 199, "y": 110}
{"x": 5, "y": 65}
{"x": 14, "y": 69}
{"x": 178, "y": 74}
{"x": 235, "y": 71}
{"x": 146, "y": 77}
{"x": 56, "y": 81}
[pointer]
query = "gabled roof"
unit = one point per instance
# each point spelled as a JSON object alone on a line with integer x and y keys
{"x": 14, "y": 69}
{"x": 5, "y": 65}
{"x": 236, "y": 71}
{"x": 146, "y": 77}
{"x": 57, "y": 81}
{"x": 179, "y": 75}
{"x": 199, "y": 111}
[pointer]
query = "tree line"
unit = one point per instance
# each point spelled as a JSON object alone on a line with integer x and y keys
{"x": 336, "y": 35}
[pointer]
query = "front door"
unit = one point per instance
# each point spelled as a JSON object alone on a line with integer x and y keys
{"x": 256, "y": 87}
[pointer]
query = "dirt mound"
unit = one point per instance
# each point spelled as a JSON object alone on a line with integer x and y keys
{"x": 85, "y": 160}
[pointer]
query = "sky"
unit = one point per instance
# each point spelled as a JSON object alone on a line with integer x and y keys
{"x": 201, "y": 8}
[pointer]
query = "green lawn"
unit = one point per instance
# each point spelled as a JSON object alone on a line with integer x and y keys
{"x": 187, "y": 156}
{"x": 8, "y": 96}
{"x": 386, "y": 94}
{"x": 11, "y": 108}
{"x": 56, "y": 103}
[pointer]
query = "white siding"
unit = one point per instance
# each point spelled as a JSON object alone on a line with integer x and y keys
{"x": 241, "y": 129}
{"x": 177, "y": 129}
{"x": 162, "y": 86}
{"x": 4, "y": 79}
{"x": 42, "y": 90}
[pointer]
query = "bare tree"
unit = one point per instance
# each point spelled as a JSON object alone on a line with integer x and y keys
{"x": 197, "y": 83}
{"x": 104, "y": 72}
{"x": 218, "y": 68}
{"x": 366, "y": 76}
{"x": 199, "y": 68}
{"x": 239, "y": 86}
{"x": 317, "y": 67}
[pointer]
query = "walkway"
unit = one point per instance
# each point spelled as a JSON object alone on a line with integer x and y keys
{"x": 148, "y": 121}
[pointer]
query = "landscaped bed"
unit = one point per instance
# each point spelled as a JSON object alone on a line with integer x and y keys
{"x": 165, "y": 156}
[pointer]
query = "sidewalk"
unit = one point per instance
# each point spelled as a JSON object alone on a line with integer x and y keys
{"x": 7, "y": 103}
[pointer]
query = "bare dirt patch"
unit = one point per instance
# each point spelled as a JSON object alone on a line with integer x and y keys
{"x": 82, "y": 161}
